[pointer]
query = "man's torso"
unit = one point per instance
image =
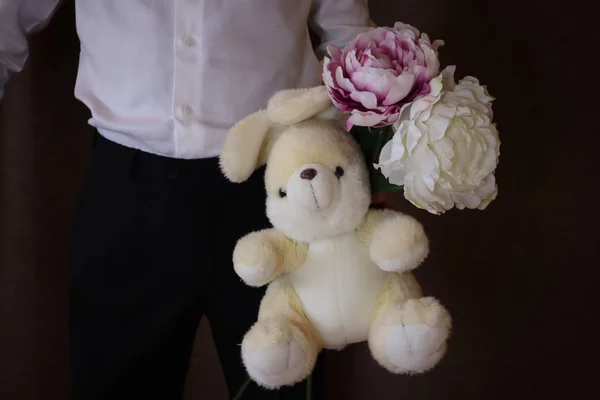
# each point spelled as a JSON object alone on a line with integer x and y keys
{"x": 171, "y": 77}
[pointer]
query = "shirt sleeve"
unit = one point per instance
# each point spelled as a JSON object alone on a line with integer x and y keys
{"x": 338, "y": 22}
{"x": 18, "y": 19}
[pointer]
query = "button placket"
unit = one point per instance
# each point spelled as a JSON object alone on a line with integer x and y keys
{"x": 188, "y": 75}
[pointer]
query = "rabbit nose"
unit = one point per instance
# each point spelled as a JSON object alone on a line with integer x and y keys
{"x": 308, "y": 174}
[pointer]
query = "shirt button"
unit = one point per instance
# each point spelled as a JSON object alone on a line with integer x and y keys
{"x": 189, "y": 41}
{"x": 187, "y": 111}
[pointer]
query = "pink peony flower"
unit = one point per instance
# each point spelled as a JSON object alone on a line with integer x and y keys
{"x": 378, "y": 72}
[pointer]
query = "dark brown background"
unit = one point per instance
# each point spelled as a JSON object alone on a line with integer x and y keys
{"x": 519, "y": 278}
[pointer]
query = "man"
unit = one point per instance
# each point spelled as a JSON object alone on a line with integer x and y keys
{"x": 157, "y": 223}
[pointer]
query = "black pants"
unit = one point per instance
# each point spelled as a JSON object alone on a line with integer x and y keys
{"x": 153, "y": 241}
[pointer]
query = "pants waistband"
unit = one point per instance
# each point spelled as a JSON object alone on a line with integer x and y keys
{"x": 142, "y": 164}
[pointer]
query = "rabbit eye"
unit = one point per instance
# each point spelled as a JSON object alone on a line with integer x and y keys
{"x": 339, "y": 172}
{"x": 282, "y": 193}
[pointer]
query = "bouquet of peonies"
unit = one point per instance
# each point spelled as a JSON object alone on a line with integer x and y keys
{"x": 422, "y": 133}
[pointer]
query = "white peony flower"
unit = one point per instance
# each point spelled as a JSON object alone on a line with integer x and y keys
{"x": 446, "y": 148}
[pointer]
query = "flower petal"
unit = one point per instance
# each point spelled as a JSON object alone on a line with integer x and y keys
{"x": 400, "y": 88}
{"x": 367, "y": 99}
{"x": 448, "y": 78}
{"x": 327, "y": 75}
{"x": 390, "y": 166}
{"x": 361, "y": 118}
{"x": 402, "y": 28}
{"x": 342, "y": 81}
{"x": 413, "y": 135}
{"x": 334, "y": 51}
{"x": 432, "y": 63}
{"x": 374, "y": 80}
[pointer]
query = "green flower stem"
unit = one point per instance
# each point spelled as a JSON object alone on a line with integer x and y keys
{"x": 240, "y": 392}
{"x": 309, "y": 387}
{"x": 371, "y": 141}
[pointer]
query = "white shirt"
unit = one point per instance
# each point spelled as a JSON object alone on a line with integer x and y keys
{"x": 171, "y": 77}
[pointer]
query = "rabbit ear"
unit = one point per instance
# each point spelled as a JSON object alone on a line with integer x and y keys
{"x": 291, "y": 106}
{"x": 247, "y": 146}
{"x": 249, "y": 142}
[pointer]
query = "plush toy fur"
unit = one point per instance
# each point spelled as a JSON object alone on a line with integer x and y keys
{"x": 337, "y": 271}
